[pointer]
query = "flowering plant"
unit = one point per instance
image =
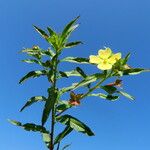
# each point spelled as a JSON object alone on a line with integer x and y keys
{"x": 110, "y": 65}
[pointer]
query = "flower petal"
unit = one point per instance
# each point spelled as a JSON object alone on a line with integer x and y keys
{"x": 114, "y": 58}
{"x": 104, "y": 66}
{"x": 104, "y": 54}
{"x": 95, "y": 59}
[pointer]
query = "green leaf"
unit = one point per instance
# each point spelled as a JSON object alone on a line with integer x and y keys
{"x": 51, "y": 31}
{"x": 126, "y": 59}
{"x": 135, "y": 71}
{"x": 108, "y": 97}
{"x": 71, "y": 73}
{"x": 81, "y": 72}
{"x": 63, "y": 74}
{"x": 29, "y": 126}
{"x": 69, "y": 88}
{"x": 72, "y": 44}
{"x": 49, "y": 104}
{"x": 63, "y": 106}
{"x": 33, "y": 74}
{"x": 109, "y": 89}
{"x": 76, "y": 60}
{"x": 33, "y": 52}
{"x": 68, "y": 29}
{"x": 41, "y": 32}
{"x": 63, "y": 134}
{"x": 66, "y": 146}
{"x": 75, "y": 124}
{"x": 46, "y": 139}
{"x": 126, "y": 95}
{"x": 33, "y": 100}
{"x": 30, "y": 61}
{"x": 89, "y": 79}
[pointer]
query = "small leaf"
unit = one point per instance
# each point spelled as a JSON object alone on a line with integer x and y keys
{"x": 30, "y": 61}
{"x": 51, "y": 31}
{"x": 33, "y": 100}
{"x": 71, "y": 73}
{"x": 76, "y": 60}
{"x": 81, "y": 72}
{"x": 49, "y": 104}
{"x": 126, "y": 59}
{"x": 33, "y": 74}
{"x": 72, "y": 44}
{"x": 134, "y": 71}
{"x": 63, "y": 74}
{"x": 66, "y": 146}
{"x": 75, "y": 124}
{"x": 89, "y": 79}
{"x": 109, "y": 89}
{"x": 69, "y": 88}
{"x": 63, "y": 106}
{"x": 126, "y": 95}
{"x": 64, "y": 133}
{"x": 29, "y": 126}
{"x": 108, "y": 97}
{"x": 41, "y": 32}
{"x": 68, "y": 30}
{"x": 46, "y": 139}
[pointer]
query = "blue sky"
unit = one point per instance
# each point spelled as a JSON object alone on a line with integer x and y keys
{"x": 122, "y": 25}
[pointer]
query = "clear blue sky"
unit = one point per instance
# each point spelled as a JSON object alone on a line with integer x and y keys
{"x": 122, "y": 25}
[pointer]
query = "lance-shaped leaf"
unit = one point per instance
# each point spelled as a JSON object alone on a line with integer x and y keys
{"x": 70, "y": 73}
{"x": 66, "y": 146}
{"x": 63, "y": 106}
{"x": 126, "y": 95}
{"x": 29, "y": 126}
{"x": 69, "y": 29}
{"x": 81, "y": 72}
{"x": 64, "y": 133}
{"x": 69, "y": 88}
{"x": 49, "y": 104}
{"x": 89, "y": 79}
{"x": 75, "y": 124}
{"x": 31, "y": 61}
{"x": 51, "y": 31}
{"x": 33, "y": 100}
{"x": 41, "y": 32}
{"x": 76, "y": 60}
{"x": 104, "y": 96}
{"x": 33, "y": 74}
{"x": 46, "y": 139}
{"x": 126, "y": 59}
{"x": 109, "y": 89}
{"x": 134, "y": 71}
{"x": 73, "y": 44}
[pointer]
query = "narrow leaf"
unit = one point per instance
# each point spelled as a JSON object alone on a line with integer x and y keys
{"x": 76, "y": 60}
{"x": 75, "y": 124}
{"x": 33, "y": 100}
{"x": 46, "y": 139}
{"x": 126, "y": 95}
{"x": 72, "y": 44}
{"x": 64, "y": 133}
{"x": 29, "y": 126}
{"x": 109, "y": 89}
{"x": 33, "y": 74}
{"x": 135, "y": 71}
{"x": 41, "y": 32}
{"x": 49, "y": 104}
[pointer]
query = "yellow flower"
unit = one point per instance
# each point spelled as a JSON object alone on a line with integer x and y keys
{"x": 105, "y": 59}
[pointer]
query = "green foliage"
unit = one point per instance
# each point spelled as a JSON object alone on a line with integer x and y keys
{"x": 76, "y": 60}
{"x": 50, "y": 102}
{"x": 29, "y": 126}
{"x": 33, "y": 74}
{"x": 75, "y": 124}
{"x": 33, "y": 100}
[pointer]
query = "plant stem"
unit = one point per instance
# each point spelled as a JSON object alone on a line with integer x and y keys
{"x": 53, "y": 109}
